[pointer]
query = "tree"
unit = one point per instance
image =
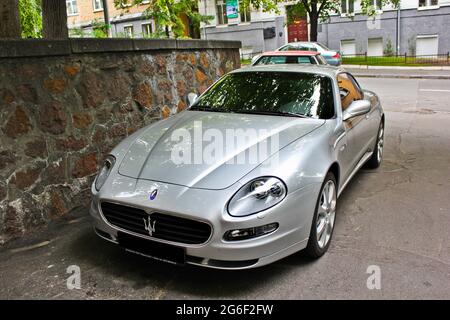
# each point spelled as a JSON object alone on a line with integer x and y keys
{"x": 9, "y": 19}
{"x": 54, "y": 19}
{"x": 166, "y": 14}
{"x": 31, "y": 18}
{"x": 318, "y": 9}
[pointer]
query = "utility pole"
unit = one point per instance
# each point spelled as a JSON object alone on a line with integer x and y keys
{"x": 106, "y": 18}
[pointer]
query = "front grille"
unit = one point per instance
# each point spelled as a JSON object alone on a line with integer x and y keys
{"x": 165, "y": 226}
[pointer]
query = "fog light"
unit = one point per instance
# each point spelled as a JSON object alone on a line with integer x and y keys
{"x": 249, "y": 233}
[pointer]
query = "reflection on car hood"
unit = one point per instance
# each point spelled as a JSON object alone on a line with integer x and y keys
{"x": 151, "y": 155}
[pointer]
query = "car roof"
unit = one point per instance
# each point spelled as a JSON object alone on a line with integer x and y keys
{"x": 291, "y": 53}
{"x": 302, "y": 42}
{"x": 326, "y": 70}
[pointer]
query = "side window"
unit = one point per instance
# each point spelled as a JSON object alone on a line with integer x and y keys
{"x": 348, "y": 90}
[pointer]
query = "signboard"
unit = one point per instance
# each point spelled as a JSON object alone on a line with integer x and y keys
{"x": 232, "y": 9}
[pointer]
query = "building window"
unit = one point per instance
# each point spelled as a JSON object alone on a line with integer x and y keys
{"x": 221, "y": 12}
{"x": 98, "y": 5}
{"x": 72, "y": 8}
{"x": 128, "y": 30}
{"x": 244, "y": 12}
{"x": 347, "y": 6}
{"x": 147, "y": 29}
{"x": 377, "y": 4}
{"x": 428, "y": 3}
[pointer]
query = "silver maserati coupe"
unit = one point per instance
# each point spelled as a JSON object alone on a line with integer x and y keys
{"x": 250, "y": 173}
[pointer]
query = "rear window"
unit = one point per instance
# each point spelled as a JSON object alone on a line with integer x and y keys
{"x": 286, "y": 59}
{"x": 298, "y": 47}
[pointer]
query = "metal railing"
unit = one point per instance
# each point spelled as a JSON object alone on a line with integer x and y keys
{"x": 399, "y": 60}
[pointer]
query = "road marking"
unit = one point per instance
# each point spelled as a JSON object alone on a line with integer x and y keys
{"x": 435, "y": 90}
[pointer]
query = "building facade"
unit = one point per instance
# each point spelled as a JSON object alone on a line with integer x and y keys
{"x": 418, "y": 27}
{"x": 257, "y": 30}
{"x": 127, "y": 21}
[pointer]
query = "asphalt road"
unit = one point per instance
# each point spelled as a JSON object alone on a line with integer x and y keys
{"x": 396, "y": 218}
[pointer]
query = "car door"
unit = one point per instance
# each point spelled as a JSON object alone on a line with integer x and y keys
{"x": 357, "y": 128}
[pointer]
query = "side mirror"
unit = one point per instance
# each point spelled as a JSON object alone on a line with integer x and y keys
{"x": 192, "y": 97}
{"x": 356, "y": 108}
{"x": 255, "y": 58}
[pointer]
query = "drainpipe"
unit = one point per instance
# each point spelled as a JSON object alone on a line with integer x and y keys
{"x": 398, "y": 29}
{"x": 204, "y": 24}
{"x": 106, "y": 17}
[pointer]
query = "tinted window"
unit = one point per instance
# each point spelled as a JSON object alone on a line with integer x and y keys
{"x": 323, "y": 46}
{"x": 286, "y": 59}
{"x": 270, "y": 92}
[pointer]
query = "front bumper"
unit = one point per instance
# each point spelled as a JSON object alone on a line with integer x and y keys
{"x": 210, "y": 206}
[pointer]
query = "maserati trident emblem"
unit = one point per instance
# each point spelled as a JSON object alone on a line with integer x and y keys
{"x": 149, "y": 226}
{"x": 153, "y": 194}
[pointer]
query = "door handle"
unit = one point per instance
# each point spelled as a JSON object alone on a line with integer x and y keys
{"x": 342, "y": 148}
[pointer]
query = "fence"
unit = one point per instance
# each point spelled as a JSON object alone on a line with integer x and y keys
{"x": 397, "y": 60}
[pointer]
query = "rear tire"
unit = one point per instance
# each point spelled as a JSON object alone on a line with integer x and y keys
{"x": 377, "y": 155}
{"x": 324, "y": 219}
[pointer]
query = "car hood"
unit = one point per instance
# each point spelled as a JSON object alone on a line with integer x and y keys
{"x": 155, "y": 153}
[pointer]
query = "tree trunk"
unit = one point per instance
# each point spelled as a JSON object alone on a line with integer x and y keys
{"x": 54, "y": 19}
{"x": 9, "y": 19}
{"x": 313, "y": 21}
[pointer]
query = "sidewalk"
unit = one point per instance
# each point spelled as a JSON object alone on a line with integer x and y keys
{"x": 399, "y": 72}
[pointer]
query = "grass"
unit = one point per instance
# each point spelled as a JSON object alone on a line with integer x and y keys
{"x": 246, "y": 61}
{"x": 394, "y": 61}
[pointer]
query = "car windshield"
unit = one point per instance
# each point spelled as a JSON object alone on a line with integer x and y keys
{"x": 299, "y": 47}
{"x": 323, "y": 46}
{"x": 286, "y": 59}
{"x": 271, "y": 93}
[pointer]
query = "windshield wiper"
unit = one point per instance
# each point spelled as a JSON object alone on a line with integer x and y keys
{"x": 201, "y": 108}
{"x": 280, "y": 113}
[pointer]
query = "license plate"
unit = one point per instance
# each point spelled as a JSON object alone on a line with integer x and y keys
{"x": 152, "y": 249}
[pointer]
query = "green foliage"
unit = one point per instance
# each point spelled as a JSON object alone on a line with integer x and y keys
{"x": 77, "y": 32}
{"x": 100, "y": 29}
{"x": 31, "y": 18}
{"x": 388, "y": 49}
{"x": 166, "y": 14}
{"x": 412, "y": 46}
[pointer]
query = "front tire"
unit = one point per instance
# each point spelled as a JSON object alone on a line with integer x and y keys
{"x": 324, "y": 218}
{"x": 377, "y": 155}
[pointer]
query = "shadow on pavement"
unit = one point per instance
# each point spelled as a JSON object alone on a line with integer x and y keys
{"x": 113, "y": 262}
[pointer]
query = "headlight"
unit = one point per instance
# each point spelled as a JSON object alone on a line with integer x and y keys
{"x": 257, "y": 195}
{"x": 108, "y": 164}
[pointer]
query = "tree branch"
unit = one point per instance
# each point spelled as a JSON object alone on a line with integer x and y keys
{"x": 321, "y": 6}
{"x": 307, "y": 8}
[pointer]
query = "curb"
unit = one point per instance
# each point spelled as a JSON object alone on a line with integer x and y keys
{"x": 397, "y": 76}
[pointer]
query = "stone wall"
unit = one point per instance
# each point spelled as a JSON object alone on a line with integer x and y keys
{"x": 65, "y": 104}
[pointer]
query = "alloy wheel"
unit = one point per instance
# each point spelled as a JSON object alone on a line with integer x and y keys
{"x": 326, "y": 214}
